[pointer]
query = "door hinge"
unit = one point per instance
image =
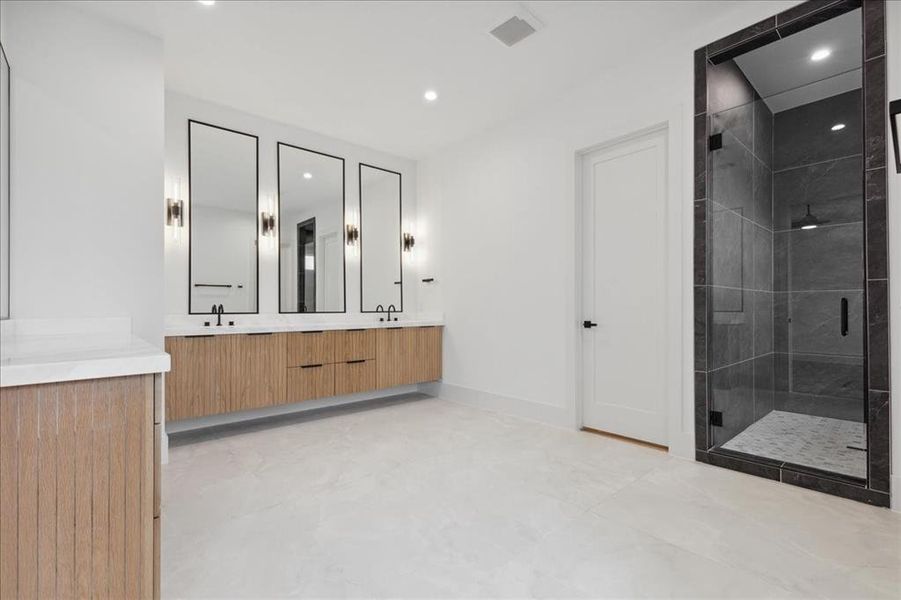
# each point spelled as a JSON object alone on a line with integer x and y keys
{"x": 715, "y": 142}
{"x": 716, "y": 418}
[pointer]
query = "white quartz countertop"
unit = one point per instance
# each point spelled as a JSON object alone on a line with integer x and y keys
{"x": 276, "y": 326}
{"x": 47, "y": 358}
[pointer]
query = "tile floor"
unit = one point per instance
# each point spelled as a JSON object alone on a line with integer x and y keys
{"x": 431, "y": 499}
{"x": 818, "y": 442}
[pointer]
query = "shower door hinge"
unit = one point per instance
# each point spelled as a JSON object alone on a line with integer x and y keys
{"x": 716, "y": 418}
{"x": 715, "y": 142}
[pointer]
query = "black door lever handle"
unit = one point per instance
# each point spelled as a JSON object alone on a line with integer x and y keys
{"x": 588, "y": 324}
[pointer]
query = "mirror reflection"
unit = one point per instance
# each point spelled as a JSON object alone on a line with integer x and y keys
{"x": 4, "y": 185}
{"x": 223, "y": 180}
{"x": 381, "y": 278}
{"x": 311, "y": 231}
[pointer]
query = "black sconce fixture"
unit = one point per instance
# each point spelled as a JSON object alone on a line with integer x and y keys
{"x": 351, "y": 234}
{"x": 268, "y": 223}
{"x": 409, "y": 242}
{"x": 174, "y": 213}
{"x": 894, "y": 117}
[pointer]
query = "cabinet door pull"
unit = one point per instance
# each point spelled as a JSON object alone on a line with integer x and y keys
{"x": 356, "y": 362}
{"x": 359, "y": 329}
{"x": 316, "y": 331}
{"x": 260, "y": 333}
{"x": 310, "y": 366}
{"x": 206, "y": 335}
{"x": 393, "y": 327}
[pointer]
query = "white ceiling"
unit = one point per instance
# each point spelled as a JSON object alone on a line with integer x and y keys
{"x": 357, "y": 70}
{"x": 783, "y": 74}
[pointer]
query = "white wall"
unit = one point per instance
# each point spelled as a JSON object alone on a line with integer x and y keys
{"x": 180, "y": 108}
{"x": 87, "y": 167}
{"x": 893, "y": 69}
{"x": 504, "y": 230}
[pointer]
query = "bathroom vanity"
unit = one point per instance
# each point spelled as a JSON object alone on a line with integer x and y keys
{"x": 80, "y": 429}
{"x": 221, "y": 370}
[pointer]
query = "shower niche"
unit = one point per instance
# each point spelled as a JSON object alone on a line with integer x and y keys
{"x": 790, "y": 250}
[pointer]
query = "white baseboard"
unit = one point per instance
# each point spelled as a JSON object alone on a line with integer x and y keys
{"x": 526, "y": 409}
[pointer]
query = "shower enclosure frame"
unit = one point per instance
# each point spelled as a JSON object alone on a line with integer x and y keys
{"x": 876, "y": 319}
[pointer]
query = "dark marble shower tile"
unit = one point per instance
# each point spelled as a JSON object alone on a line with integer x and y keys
{"x": 764, "y": 390}
{"x": 781, "y": 321}
{"x": 732, "y": 176}
{"x": 763, "y": 195}
{"x": 763, "y": 133}
{"x": 878, "y": 334}
{"x": 877, "y": 236}
{"x": 835, "y": 488}
{"x": 829, "y": 376}
{"x": 700, "y": 80}
{"x": 700, "y": 157}
{"x": 731, "y": 327}
{"x": 873, "y": 29}
{"x": 833, "y": 190}
{"x": 700, "y": 326}
{"x": 761, "y": 277}
{"x": 727, "y": 87}
{"x": 730, "y": 248}
{"x": 763, "y": 322}
{"x": 846, "y": 409}
{"x": 879, "y": 424}
{"x": 812, "y": 13}
{"x": 804, "y": 135}
{"x": 816, "y": 323}
{"x": 737, "y": 121}
{"x": 827, "y": 258}
{"x": 731, "y": 391}
{"x": 781, "y": 375}
{"x": 700, "y": 242}
{"x": 781, "y": 263}
{"x": 875, "y": 113}
{"x": 702, "y": 413}
{"x": 759, "y": 469}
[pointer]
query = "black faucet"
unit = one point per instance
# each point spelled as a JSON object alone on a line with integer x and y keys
{"x": 218, "y": 310}
{"x": 379, "y": 309}
{"x": 391, "y": 308}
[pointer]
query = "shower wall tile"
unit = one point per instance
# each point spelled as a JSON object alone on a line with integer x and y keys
{"x": 737, "y": 122}
{"x": 833, "y": 189}
{"x": 877, "y": 233}
{"x": 832, "y": 376}
{"x": 763, "y": 195}
{"x": 763, "y": 322}
{"x": 731, "y": 390}
{"x": 816, "y": 323}
{"x": 761, "y": 257}
{"x": 732, "y": 176}
{"x": 700, "y": 242}
{"x": 700, "y": 80}
{"x": 827, "y": 258}
{"x": 764, "y": 393}
{"x": 730, "y": 251}
{"x": 700, "y": 323}
{"x": 700, "y": 157}
{"x": 809, "y": 129}
{"x": 727, "y": 87}
{"x": 781, "y": 324}
{"x": 846, "y": 409}
{"x": 874, "y": 140}
{"x": 702, "y": 412}
{"x": 879, "y": 419}
{"x": 877, "y": 334}
{"x": 874, "y": 29}
{"x": 731, "y": 327}
{"x": 763, "y": 133}
{"x": 781, "y": 253}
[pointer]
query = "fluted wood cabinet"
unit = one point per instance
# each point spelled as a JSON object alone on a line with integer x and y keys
{"x": 79, "y": 496}
{"x": 214, "y": 374}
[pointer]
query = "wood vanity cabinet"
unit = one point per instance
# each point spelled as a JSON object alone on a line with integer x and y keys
{"x": 224, "y": 373}
{"x": 79, "y": 496}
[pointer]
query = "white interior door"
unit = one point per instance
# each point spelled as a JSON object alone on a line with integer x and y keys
{"x": 624, "y": 286}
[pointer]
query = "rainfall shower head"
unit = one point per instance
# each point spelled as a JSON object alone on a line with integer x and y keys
{"x": 808, "y": 221}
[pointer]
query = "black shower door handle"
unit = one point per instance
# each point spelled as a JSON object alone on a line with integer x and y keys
{"x": 844, "y": 316}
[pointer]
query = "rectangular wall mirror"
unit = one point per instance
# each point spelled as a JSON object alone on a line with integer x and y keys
{"x": 311, "y": 231}
{"x": 223, "y": 180}
{"x": 381, "y": 273}
{"x": 5, "y": 189}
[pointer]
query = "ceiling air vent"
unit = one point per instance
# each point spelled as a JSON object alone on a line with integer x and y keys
{"x": 514, "y": 30}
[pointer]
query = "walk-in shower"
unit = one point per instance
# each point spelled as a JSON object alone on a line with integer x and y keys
{"x": 785, "y": 172}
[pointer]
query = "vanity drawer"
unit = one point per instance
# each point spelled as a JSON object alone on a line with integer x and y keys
{"x": 354, "y": 344}
{"x": 355, "y": 376}
{"x": 311, "y": 348}
{"x": 309, "y": 382}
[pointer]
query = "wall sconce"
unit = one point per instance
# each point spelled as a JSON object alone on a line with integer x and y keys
{"x": 351, "y": 234}
{"x": 267, "y": 221}
{"x": 894, "y": 117}
{"x": 175, "y": 213}
{"x": 409, "y": 242}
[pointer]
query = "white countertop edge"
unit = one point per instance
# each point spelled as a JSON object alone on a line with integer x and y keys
{"x": 77, "y": 370}
{"x": 189, "y": 330}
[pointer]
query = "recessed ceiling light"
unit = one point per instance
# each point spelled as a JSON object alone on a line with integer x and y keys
{"x": 430, "y": 95}
{"x": 308, "y": 176}
{"x": 207, "y": 2}
{"x": 838, "y": 127}
{"x": 820, "y": 54}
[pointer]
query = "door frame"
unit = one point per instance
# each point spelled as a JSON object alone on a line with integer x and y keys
{"x": 680, "y": 439}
